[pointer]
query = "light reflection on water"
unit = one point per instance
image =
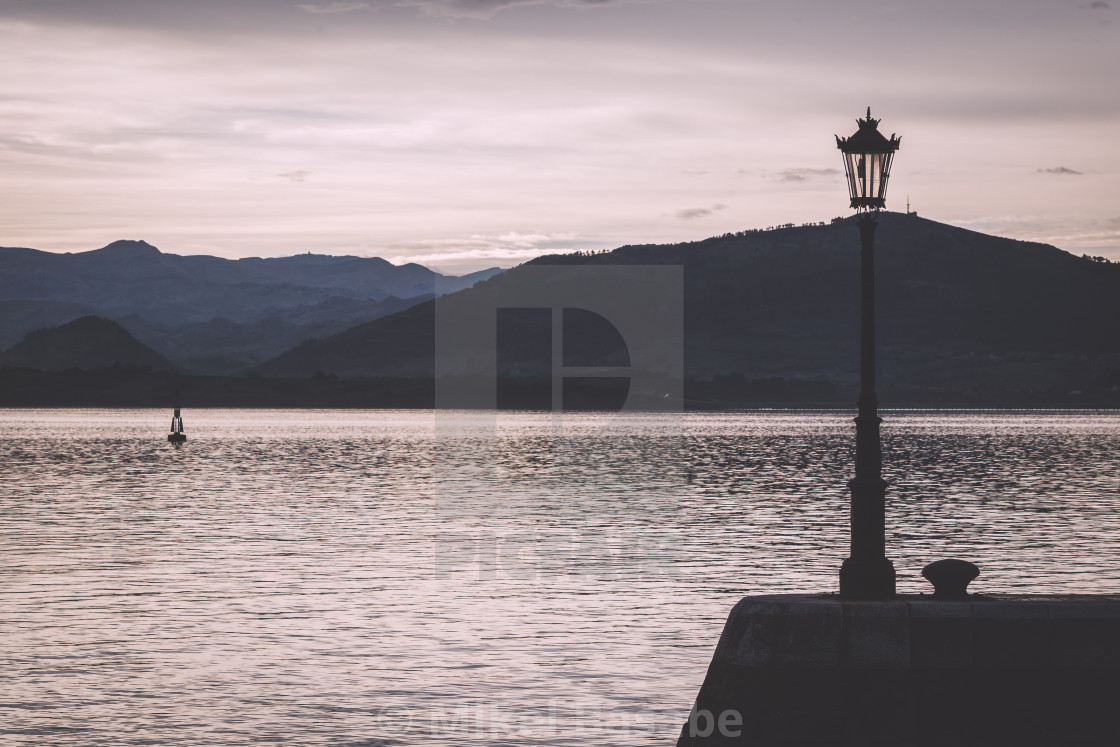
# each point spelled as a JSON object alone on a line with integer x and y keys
{"x": 360, "y": 577}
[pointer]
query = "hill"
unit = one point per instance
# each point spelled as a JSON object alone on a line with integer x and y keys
{"x": 86, "y": 343}
{"x": 959, "y": 311}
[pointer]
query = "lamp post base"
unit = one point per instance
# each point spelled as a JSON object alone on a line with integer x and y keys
{"x": 867, "y": 578}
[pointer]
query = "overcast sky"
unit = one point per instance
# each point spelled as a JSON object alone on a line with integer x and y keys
{"x": 469, "y": 133}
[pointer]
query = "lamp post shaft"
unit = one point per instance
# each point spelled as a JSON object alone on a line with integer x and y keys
{"x": 867, "y": 573}
{"x": 869, "y": 455}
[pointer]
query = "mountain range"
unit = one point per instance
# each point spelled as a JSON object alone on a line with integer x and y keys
{"x": 768, "y": 315}
{"x": 209, "y": 314}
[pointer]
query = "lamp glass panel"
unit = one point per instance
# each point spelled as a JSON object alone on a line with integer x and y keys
{"x": 850, "y": 171}
{"x": 886, "y": 173}
{"x": 876, "y": 175}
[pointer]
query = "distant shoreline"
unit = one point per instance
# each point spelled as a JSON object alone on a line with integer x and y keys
{"x": 128, "y": 387}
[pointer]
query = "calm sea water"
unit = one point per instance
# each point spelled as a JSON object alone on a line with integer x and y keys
{"x": 394, "y": 577}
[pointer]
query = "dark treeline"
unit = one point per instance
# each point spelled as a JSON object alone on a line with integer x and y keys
{"x": 129, "y": 386}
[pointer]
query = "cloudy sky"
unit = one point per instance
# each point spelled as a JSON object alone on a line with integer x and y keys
{"x": 469, "y": 133}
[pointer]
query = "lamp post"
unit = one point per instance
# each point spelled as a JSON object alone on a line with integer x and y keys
{"x": 867, "y": 573}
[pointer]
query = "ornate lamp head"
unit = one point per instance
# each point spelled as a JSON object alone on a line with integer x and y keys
{"x": 867, "y": 163}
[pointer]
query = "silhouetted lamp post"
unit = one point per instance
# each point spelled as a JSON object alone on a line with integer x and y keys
{"x": 867, "y": 573}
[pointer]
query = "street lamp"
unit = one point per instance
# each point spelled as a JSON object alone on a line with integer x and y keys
{"x": 867, "y": 573}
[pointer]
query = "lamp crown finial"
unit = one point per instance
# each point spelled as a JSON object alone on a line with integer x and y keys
{"x": 869, "y": 112}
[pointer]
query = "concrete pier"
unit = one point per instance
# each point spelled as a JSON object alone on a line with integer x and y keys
{"x": 815, "y": 671}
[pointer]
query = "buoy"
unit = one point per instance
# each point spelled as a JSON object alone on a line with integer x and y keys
{"x": 177, "y": 436}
